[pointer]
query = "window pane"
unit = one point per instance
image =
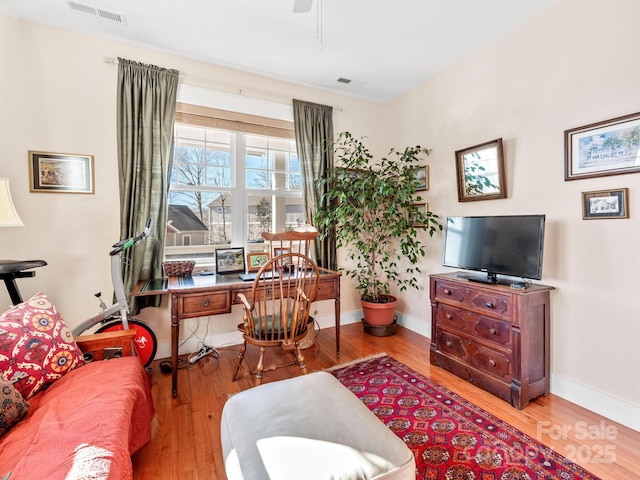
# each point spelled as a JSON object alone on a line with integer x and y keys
{"x": 204, "y": 216}
{"x": 259, "y": 217}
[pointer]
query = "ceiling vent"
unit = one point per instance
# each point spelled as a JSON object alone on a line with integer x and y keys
{"x": 346, "y": 81}
{"x": 98, "y": 12}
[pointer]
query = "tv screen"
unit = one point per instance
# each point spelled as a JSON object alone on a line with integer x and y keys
{"x": 510, "y": 245}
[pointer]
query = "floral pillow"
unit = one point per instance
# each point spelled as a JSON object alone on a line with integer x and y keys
{"x": 12, "y": 406}
{"x": 36, "y": 347}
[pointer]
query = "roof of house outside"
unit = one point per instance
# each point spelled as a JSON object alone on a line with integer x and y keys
{"x": 182, "y": 219}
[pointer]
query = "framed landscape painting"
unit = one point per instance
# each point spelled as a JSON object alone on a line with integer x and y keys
{"x": 604, "y": 148}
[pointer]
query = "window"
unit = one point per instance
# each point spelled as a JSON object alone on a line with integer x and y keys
{"x": 228, "y": 186}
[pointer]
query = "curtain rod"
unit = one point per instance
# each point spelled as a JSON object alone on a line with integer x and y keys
{"x": 234, "y": 91}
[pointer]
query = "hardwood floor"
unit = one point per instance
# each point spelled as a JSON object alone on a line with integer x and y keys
{"x": 186, "y": 444}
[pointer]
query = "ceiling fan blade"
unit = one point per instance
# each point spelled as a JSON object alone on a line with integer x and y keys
{"x": 302, "y": 6}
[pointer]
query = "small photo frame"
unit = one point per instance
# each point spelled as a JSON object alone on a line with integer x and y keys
{"x": 281, "y": 251}
{"x": 605, "y": 148}
{"x": 605, "y": 204}
{"x": 422, "y": 178}
{"x": 61, "y": 172}
{"x": 255, "y": 260}
{"x": 230, "y": 260}
{"x": 416, "y": 221}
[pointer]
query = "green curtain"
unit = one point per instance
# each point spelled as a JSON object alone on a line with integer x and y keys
{"x": 145, "y": 122}
{"x": 313, "y": 125}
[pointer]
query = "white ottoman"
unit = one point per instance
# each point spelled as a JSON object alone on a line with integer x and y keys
{"x": 309, "y": 427}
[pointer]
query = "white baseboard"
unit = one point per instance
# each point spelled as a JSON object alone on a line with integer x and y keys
{"x": 601, "y": 403}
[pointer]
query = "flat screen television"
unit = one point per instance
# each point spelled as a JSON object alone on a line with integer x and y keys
{"x": 509, "y": 245}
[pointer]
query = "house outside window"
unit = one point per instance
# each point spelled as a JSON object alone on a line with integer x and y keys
{"x": 229, "y": 186}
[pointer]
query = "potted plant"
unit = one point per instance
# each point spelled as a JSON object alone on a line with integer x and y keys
{"x": 374, "y": 207}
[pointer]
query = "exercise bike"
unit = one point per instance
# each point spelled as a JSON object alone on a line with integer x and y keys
{"x": 116, "y": 317}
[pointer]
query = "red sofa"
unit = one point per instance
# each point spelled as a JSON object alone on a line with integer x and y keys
{"x": 85, "y": 425}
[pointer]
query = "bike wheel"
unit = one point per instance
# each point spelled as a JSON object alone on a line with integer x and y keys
{"x": 144, "y": 343}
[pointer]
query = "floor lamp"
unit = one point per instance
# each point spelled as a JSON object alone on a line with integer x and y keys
{"x": 12, "y": 269}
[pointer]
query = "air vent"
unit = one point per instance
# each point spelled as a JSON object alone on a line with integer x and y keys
{"x": 98, "y": 12}
{"x": 346, "y": 81}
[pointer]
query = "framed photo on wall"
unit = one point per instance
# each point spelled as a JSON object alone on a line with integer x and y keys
{"x": 422, "y": 178}
{"x": 605, "y": 204}
{"x": 60, "y": 172}
{"x": 480, "y": 172}
{"x": 605, "y": 148}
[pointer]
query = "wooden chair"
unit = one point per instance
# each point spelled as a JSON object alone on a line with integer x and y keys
{"x": 278, "y": 312}
{"x": 292, "y": 241}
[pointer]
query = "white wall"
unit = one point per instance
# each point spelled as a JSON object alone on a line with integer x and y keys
{"x": 572, "y": 66}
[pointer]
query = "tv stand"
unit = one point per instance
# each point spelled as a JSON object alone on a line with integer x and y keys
{"x": 492, "y": 335}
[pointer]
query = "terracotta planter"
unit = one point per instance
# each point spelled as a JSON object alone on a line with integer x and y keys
{"x": 379, "y": 314}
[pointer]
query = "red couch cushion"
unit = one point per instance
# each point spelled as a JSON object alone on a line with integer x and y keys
{"x": 91, "y": 420}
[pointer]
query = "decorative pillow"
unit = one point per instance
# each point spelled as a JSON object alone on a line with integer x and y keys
{"x": 12, "y": 406}
{"x": 36, "y": 347}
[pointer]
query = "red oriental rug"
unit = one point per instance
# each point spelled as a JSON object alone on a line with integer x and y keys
{"x": 451, "y": 438}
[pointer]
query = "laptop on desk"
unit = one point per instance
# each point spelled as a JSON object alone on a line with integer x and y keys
{"x": 249, "y": 277}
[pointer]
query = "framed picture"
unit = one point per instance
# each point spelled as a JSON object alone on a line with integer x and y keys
{"x": 480, "y": 172}
{"x": 422, "y": 178}
{"x": 603, "y": 148}
{"x": 423, "y": 208}
{"x": 230, "y": 260}
{"x": 281, "y": 251}
{"x": 605, "y": 204}
{"x": 255, "y": 260}
{"x": 60, "y": 172}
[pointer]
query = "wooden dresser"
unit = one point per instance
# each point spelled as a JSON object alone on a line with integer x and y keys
{"x": 494, "y": 336}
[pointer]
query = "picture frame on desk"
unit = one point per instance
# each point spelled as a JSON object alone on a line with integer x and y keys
{"x": 255, "y": 260}
{"x": 230, "y": 260}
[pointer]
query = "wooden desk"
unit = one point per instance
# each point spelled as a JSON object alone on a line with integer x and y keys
{"x": 202, "y": 295}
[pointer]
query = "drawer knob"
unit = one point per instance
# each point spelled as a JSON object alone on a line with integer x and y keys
{"x": 492, "y": 331}
{"x": 205, "y": 303}
{"x": 447, "y": 291}
{"x": 492, "y": 363}
{"x": 448, "y": 343}
{"x": 489, "y": 305}
{"x": 448, "y": 316}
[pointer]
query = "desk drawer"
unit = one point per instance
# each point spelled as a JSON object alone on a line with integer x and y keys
{"x": 200, "y": 304}
{"x": 326, "y": 291}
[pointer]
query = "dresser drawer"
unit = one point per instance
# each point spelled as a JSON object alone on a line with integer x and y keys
{"x": 495, "y": 331}
{"x": 467, "y": 350}
{"x": 201, "y": 304}
{"x": 488, "y": 302}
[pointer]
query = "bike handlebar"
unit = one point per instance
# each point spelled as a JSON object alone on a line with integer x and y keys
{"x": 126, "y": 244}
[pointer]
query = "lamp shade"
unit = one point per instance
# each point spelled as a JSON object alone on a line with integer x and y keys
{"x": 8, "y": 215}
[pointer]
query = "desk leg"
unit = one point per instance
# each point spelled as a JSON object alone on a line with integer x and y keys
{"x": 175, "y": 337}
